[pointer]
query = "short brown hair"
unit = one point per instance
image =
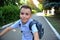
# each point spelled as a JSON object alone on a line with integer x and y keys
{"x": 26, "y": 6}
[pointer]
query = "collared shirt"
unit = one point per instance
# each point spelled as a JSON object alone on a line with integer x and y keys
{"x": 26, "y": 34}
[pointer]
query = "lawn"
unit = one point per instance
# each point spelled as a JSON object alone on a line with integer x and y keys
{"x": 55, "y": 21}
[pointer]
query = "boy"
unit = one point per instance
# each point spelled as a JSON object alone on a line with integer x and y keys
{"x": 23, "y": 24}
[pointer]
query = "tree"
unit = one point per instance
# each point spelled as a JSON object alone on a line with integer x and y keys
{"x": 48, "y": 4}
{"x": 51, "y": 3}
{"x": 1, "y": 2}
{"x": 40, "y": 1}
{"x": 31, "y": 4}
{"x": 8, "y": 2}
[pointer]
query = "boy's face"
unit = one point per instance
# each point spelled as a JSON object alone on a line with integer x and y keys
{"x": 25, "y": 14}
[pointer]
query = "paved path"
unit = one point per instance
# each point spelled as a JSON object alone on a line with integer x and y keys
{"x": 16, "y": 34}
{"x": 49, "y": 35}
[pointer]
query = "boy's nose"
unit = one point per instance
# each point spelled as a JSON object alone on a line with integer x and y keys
{"x": 24, "y": 15}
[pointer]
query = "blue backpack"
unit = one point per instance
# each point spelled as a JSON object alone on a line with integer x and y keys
{"x": 39, "y": 27}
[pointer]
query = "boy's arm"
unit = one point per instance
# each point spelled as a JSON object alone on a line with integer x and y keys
{"x": 5, "y": 31}
{"x": 35, "y": 32}
{"x": 15, "y": 25}
{"x": 36, "y": 36}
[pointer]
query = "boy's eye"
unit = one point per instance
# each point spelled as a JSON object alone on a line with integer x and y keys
{"x": 27, "y": 14}
{"x": 22, "y": 13}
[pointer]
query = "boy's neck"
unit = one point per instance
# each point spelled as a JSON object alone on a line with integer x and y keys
{"x": 24, "y": 23}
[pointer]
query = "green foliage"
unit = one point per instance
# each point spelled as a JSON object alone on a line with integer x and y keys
{"x": 8, "y": 14}
{"x": 57, "y": 12}
{"x": 48, "y": 4}
{"x": 8, "y": 2}
{"x": 34, "y": 11}
{"x": 40, "y": 6}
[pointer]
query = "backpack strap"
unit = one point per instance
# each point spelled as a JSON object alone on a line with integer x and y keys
{"x": 30, "y": 26}
{"x": 31, "y": 23}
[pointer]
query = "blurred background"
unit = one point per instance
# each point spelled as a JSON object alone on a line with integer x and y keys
{"x": 10, "y": 9}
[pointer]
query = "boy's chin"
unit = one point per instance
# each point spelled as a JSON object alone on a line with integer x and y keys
{"x": 24, "y": 22}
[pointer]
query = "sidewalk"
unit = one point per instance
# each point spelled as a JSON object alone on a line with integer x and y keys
{"x": 48, "y": 33}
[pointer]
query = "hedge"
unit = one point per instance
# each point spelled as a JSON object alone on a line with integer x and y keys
{"x": 8, "y": 14}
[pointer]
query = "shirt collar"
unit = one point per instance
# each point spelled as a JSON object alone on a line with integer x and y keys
{"x": 27, "y": 23}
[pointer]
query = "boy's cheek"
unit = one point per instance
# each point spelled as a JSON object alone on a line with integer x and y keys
{"x": 21, "y": 16}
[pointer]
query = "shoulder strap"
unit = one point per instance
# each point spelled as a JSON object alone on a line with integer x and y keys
{"x": 31, "y": 23}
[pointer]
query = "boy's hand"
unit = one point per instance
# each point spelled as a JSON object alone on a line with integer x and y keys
{"x": 5, "y": 31}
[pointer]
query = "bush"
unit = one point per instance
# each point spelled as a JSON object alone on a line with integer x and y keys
{"x": 34, "y": 11}
{"x": 1, "y": 17}
{"x": 8, "y": 14}
{"x": 57, "y": 12}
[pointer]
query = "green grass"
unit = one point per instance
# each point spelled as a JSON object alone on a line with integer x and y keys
{"x": 55, "y": 21}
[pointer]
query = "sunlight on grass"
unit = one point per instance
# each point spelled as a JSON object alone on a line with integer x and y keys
{"x": 47, "y": 14}
{"x": 34, "y": 11}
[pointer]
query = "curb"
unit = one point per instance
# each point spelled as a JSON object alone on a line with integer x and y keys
{"x": 53, "y": 29}
{"x": 7, "y": 25}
